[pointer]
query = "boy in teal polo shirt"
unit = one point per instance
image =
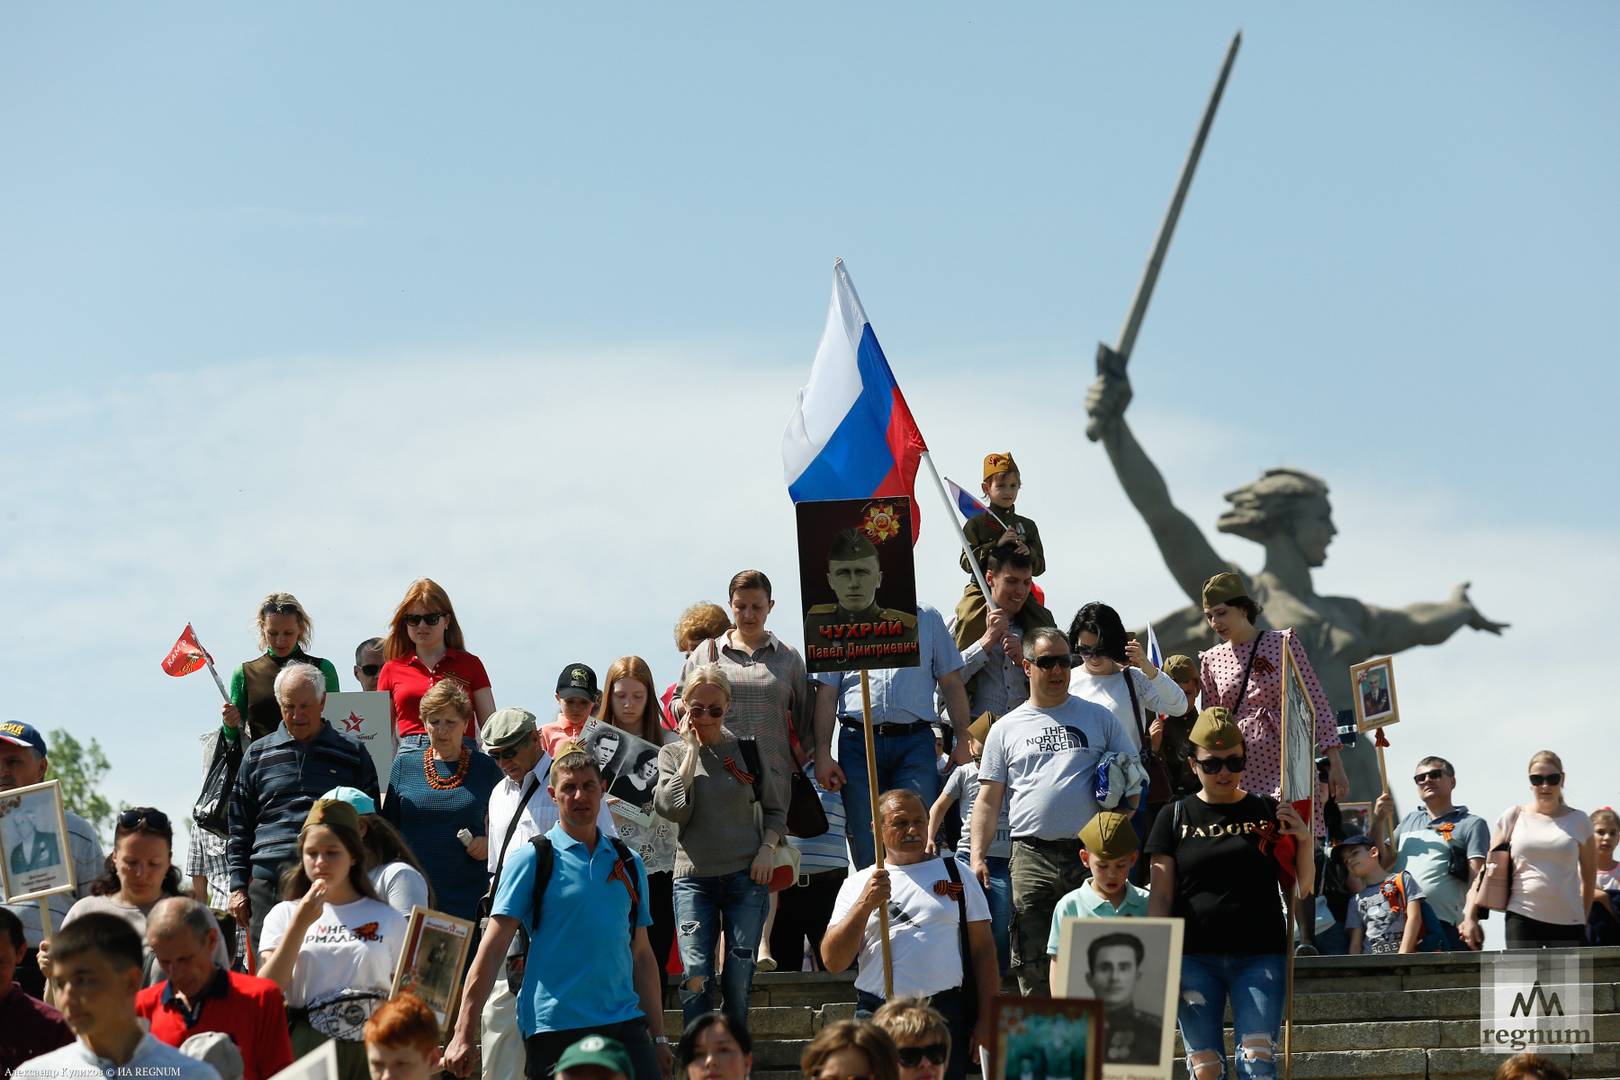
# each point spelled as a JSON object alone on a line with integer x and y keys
{"x": 1108, "y": 849}
{"x": 587, "y": 972}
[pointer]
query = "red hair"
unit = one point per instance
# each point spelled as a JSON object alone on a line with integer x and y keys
{"x": 431, "y": 595}
{"x": 403, "y": 1021}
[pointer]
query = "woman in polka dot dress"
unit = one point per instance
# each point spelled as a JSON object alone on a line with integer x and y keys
{"x": 1248, "y": 653}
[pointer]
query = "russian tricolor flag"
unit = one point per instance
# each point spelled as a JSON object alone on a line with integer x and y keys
{"x": 851, "y": 435}
{"x": 965, "y": 503}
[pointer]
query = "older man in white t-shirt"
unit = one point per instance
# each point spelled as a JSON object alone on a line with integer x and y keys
{"x": 927, "y": 899}
{"x": 1043, "y": 756}
{"x": 520, "y": 808}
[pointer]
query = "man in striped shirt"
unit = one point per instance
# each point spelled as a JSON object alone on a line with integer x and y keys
{"x": 280, "y": 778}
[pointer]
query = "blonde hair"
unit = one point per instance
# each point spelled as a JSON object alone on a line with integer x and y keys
{"x": 910, "y": 1018}
{"x": 708, "y": 675}
{"x": 1606, "y": 813}
{"x": 447, "y": 696}
{"x": 882, "y": 1060}
{"x": 431, "y": 595}
{"x": 1557, "y": 763}
{"x": 699, "y": 623}
{"x": 306, "y": 625}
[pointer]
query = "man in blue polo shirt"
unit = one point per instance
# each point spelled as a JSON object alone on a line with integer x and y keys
{"x": 1423, "y": 846}
{"x": 587, "y": 972}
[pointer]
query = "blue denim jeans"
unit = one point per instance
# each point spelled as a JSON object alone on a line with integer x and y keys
{"x": 903, "y": 761}
{"x": 1001, "y": 909}
{"x": 704, "y": 908}
{"x": 1255, "y": 983}
{"x": 1439, "y": 936}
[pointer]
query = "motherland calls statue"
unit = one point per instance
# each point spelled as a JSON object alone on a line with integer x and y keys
{"x": 1287, "y": 512}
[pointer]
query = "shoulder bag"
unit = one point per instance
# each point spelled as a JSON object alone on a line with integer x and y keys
{"x": 1494, "y": 885}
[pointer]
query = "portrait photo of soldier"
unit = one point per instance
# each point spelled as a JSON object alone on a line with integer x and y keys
{"x": 860, "y": 592}
{"x": 1131, "y": 1034}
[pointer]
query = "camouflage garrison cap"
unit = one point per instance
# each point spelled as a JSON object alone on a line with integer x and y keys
{"x": 1109, "y": 835}
{"x": 996, "y": 464}
{"x": 1223, "y": 588}
{"x": 1180, "y": 668}
{"x": 1215, "y": 730}
{"x": 849, "y": 545}
{"x": 980, "y": 728}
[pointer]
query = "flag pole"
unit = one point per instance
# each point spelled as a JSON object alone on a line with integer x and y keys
{"x": 967, "y": 548}
{"x": 210, "y": 661}
{"x": 877, "y": 835}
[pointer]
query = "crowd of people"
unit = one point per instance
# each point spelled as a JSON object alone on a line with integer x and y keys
{"x": 1023, "y": 774}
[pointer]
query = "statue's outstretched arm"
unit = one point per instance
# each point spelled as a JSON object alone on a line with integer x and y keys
{"x": 1392, "y": 630}
{"x": 1188, "y": 554}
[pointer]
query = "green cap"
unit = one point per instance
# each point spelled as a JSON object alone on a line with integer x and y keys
{"x": 1180, "y": 668}
{"x": 334, "y": 814}
{"x": 980, "y": 728}
{"x": 596, "y": 1050}
{"x": 506, "y": 726}
{"x": 1109, "y": 835}
{"x": 1215, "y": 730}
{"x": 362, "y": 803}
{"x": 1223, "y": 588}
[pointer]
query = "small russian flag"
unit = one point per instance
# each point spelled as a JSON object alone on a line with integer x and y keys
{"x": 967, "y": 504}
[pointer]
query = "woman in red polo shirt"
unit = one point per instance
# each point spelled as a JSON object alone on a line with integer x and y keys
{"x": 423, "y": 646}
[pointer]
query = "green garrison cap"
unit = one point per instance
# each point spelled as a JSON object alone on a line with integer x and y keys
{"x": 1215, "y": 730}
{"x": 1223, "y": 588}
{"x": 1180, "y": 668}
{"x": 1109, "y": 835}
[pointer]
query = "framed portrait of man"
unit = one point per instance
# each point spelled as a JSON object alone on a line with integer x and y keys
{"x": 858, "y": 584}
{"x": 34, "y": 857}
{"x": 431, "y": 960}
{"x": 1133, "y": 968}
{"x": 1372, "y": 683}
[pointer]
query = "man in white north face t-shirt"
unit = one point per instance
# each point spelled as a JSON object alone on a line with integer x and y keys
{"x": 1043, "y": 757}
{"x": 927, "y": 898}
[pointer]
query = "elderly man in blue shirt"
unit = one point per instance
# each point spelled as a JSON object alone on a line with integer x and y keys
{"x": 902, "y": 715}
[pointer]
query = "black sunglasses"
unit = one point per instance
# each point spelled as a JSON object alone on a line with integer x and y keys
{"x": 714, "y": 712}
{"x": 1047, "y": 663}
{"x": 1546, "y": 779}
{"x": 507, "y": 753}
{"x": 912, "y": 1056}
{"x": 1432, "y": 774}
{"x": 1213, "y": 765}
{"x": 418, "y": 620}
{"x": 1084, "y": 651}
{"x": 368, "y": 670}
{"x": 281, "y": 609}
{"x": 144, "y": 817}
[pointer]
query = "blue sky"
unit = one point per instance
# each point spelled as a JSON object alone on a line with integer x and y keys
{"x": 327, "y": 298}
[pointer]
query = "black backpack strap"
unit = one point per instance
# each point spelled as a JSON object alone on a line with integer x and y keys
{"x": 750, "y": 756}
{"x": 544, "y": 858}
{"x": 1136, "y": 708}
{"x": 962, "y": 921}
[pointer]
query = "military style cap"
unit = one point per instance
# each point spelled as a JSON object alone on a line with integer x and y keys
{"x": 1180, "y": 668}
{"x": 1109, "y": 835}
{"x": 849, "y": 545}
{"x": 597, "y": 1050}
{"x": 1214, "y": 730}
{"x": 980, "y": 728}
{"x": 362, "y": 803}
{"x": 1223, "y": 588}
{"x": 506, "y": 726}
{"x": 334, "y": 813}
{"x": 996, "y": 464}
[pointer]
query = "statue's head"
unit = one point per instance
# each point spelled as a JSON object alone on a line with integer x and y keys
{"x": 1283, "y": 503}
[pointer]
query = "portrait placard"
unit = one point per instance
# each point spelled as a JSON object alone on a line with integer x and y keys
{"x": 430, "y": 963}
{"x": 1298, "y": 736}
{"x": 320, "y": 1063}
{"x": 858, "y": 584}
{"x": 629, "y": 766}
{"x": 367, "y": 717}
{"x": 34, "y": 856}
{"x": 1372, "y": 688}
{"x": 1356, "y": 817}
{"x": 1045, "y": 1039}
{"x": 1133, "y": 968}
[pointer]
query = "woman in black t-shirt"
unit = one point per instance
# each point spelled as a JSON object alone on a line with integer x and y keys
{"x": 1216, "y": 865}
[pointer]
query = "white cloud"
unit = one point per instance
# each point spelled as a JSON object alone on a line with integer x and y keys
{"x": 574, "y": 502}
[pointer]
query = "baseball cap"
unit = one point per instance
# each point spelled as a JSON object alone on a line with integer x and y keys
{"x": 1355, "y": 840}
{"x": 18, "y": 733}
{"x": 597, "y": 1050}
{"x": 577, "y": 681}
{"x": 506, "y": 726}
{"x": 217, "y": 1049}
{"x": 362, "y": 803}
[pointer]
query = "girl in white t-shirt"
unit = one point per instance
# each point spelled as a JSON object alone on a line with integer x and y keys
{"x": 1554, "y": 862}
{"x": 331, "y": 944}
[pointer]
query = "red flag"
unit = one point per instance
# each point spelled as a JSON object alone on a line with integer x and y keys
{"x": 187, "y": 655}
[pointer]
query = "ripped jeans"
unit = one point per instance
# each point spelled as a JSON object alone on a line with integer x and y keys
{"x": 1255, "y": 983}
{"x": 704, "y": 907}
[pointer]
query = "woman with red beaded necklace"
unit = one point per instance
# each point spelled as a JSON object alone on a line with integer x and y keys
{"x": 439, "y": 791}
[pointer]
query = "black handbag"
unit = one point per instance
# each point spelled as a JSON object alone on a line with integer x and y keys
{"x": 212, "y": 810}
{"x": 805, "y": 816}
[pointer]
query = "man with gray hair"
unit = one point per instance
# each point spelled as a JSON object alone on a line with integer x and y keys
{"x": 200, "y": 996}
{"x": 280, "y": 778}
{"x": 1043, "y": 757}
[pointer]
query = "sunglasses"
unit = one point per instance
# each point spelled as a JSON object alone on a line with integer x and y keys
{"x": 1552, "y": 779}
{"x": 714, "y": 712}
{"x": 1432, "y": 774}
{"x": 1047, "y": 663}
{"x": 147, "y": 818}
{"x": 418, "y": 620}
{"x": 1084, "y": 651}
{"x": 1213, "y": 765}
{"x": 281, "y": 609}
{"x": 912, "y": 1056}
{"x": 368, "y": 670}
{"x": 507, "y": 753}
